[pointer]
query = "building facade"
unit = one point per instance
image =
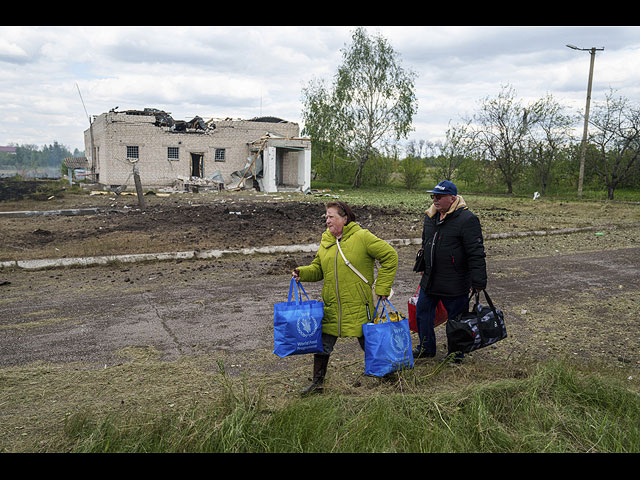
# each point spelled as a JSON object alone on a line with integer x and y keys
{"x": 268, "y": 152}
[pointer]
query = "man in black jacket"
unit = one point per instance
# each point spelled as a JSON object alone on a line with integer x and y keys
{"x": 454, "y": 263}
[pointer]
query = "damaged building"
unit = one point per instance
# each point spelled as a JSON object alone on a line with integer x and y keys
{"x": 265, "y": 153}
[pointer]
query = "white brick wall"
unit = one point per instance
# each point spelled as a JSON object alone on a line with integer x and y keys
{"x": 114, "y": 131}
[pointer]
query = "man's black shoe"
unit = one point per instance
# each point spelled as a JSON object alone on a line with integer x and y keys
{"x": 419, "y": 353}
{"x": 456, "y": 357}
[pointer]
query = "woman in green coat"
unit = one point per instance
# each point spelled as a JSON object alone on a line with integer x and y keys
{"x": 347, "y": 297}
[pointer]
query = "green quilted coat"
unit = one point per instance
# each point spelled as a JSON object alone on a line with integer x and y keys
{"x": 344, "y": 294}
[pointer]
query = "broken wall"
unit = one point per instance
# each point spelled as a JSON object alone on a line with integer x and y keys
{"x": 114, "y": 131}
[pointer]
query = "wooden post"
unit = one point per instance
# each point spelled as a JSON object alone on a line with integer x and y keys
{"x": 136, "y": 179}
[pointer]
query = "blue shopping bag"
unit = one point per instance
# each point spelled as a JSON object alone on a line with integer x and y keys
{"x": 297, "y": 324}
{"x": 387, "y": 343}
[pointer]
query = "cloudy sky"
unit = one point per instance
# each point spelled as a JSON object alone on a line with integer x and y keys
{"x": 244, "y": 72}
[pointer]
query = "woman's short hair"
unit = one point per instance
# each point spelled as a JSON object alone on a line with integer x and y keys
{"x": 344, "y": 210}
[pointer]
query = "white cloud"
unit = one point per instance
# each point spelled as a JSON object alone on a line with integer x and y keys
{"x": 246, "y": 71}
{"x": 10, "y": 52}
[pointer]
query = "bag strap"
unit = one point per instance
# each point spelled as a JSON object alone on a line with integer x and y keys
{"x": 348, "y": 263}
{"x": 471, "y": 295}
{"x": 291, "y": 288}
{"x": 493, "y": 309}
{"x": 298, "y": 295}
{"x": 486, "y": 295}
{"x": 384, "y": 309}
{"x": 299, "y": 284}
{"x": 381, "y": 300}
{"x": 355, "y": 270}
{"x": 394, "y": 308}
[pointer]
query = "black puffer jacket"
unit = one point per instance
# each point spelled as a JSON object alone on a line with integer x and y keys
{"x": 454, "y": 253}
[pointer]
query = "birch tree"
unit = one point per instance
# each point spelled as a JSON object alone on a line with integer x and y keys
{"x": 371, "y": 102}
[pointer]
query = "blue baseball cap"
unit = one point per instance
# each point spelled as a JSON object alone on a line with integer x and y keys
{"x": 445, "y": 187}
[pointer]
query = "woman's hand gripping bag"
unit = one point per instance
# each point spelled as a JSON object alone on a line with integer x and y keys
{"x": 387, "y": 343}
{"x": 297, "y": 324}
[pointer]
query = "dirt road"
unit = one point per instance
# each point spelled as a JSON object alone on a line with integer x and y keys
{"x": 574, "y": 294}
{"x": 581, "y": 304}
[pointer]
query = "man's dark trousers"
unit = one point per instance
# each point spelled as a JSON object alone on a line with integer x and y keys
{"x": 426, "y": 314}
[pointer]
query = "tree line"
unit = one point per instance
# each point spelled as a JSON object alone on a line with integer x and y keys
{"x": 357, "y": 124}
{"x": 31, "y": 158}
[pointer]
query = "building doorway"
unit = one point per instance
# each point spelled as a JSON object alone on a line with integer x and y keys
{"x": 197, "y": 165}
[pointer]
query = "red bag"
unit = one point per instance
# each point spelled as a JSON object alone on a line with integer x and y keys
{"x": 441, "y": 313}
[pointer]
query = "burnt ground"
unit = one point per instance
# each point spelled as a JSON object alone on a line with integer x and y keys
{"x": 188, "y": 222}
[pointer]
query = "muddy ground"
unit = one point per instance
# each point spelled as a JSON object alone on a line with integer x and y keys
{"x": 575, "y": 294}
{"x": 153, "y": 336}
{"x": 180, "y": 223}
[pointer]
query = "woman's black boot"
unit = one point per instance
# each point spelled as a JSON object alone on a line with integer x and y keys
{"x": 320, "y": 363}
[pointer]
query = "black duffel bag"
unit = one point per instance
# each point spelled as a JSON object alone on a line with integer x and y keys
{"x": 478, "y": 328}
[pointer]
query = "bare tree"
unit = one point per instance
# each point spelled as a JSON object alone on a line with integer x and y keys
{"x": 457, "y": 146}
{"x": 500, "y": 131}
{"x": 617, "y": 140}
{"x": 417, "y": 148}
{"x": 549, "y": 136}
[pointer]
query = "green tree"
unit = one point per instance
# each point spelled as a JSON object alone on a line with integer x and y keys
{"x": 412, "y": 171}
{"x": 371, "y": 101}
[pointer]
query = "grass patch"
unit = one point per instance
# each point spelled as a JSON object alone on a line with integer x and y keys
{"x": 34, "y": 324}
{"x": 500, "y": 213}
{"x": 553, "y": 408}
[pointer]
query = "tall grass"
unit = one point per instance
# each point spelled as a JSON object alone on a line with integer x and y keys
{"x": 556, "y": 408}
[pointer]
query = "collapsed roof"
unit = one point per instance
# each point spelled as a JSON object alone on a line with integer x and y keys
{"x": 164, "y": 119}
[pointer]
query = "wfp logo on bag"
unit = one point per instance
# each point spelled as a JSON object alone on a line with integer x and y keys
{"x": 307, "y": 325}
{"x": 400, "y": 341}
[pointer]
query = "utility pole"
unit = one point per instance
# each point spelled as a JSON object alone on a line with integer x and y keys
{"x": 92, "y": 153}
{"x": 583, "y": 148}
